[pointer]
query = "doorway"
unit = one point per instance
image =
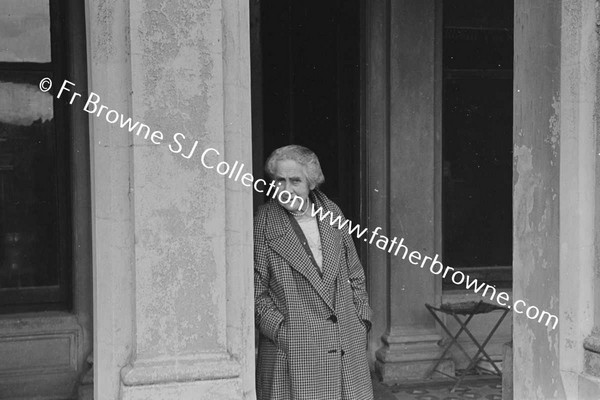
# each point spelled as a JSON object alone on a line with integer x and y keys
{"x": 306, "y": 89}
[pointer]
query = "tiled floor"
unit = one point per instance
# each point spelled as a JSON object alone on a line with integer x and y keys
{"x": 473, "y": 390}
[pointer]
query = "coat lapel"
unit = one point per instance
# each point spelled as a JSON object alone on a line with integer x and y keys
{"x": 281, "y": 238}
{"x": 331, "y": 241}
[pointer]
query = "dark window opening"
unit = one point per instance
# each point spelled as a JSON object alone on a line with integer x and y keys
{"x": 35, "y": 238}
{"x": 477, "y": 98}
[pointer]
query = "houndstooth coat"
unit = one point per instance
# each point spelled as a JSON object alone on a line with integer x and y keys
{"x": 312, "y": 329}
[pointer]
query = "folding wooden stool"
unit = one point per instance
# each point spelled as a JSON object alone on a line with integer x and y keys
{"x": 467, "y": 309}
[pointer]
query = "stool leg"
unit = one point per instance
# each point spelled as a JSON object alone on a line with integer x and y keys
{"x": 432, "y": 370}
{"x": 452, "y": 340}
{"x": 453, "y": 337}
{"x": 482, "y": 346}
{"x": 463, "y": 326}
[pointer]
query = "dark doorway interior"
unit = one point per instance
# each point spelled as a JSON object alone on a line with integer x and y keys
{"x": 477, "y": 138}
{"x": 306, "y": 88}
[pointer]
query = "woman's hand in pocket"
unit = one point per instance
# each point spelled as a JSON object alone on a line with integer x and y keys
{"x": 282, "y": 340}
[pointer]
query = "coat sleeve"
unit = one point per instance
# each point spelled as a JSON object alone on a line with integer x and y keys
{"x": 268, "y": 318}
{"x": 357, "y": 279}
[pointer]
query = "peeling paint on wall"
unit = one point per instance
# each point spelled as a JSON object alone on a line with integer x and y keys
{"x": 180, "y": 226}
{"x": 554, "y": 128}
{"x": 536, "y": 197}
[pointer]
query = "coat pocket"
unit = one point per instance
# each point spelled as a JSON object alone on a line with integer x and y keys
{"x": 282, "y": 338}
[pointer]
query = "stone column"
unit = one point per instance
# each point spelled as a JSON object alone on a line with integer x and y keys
{"x": 403, "y": 145}
{"x": 183, "y": 243}
{"x": 109, "y": 75}
{"x": 579, "y": 324}
{"x": 538, "y": 133}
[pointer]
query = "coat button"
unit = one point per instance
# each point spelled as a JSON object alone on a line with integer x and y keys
{"x": 343, "y": 352}
{"x": 333, "y": 318}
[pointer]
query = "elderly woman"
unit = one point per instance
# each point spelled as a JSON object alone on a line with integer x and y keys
{"x": 312, "y": 310}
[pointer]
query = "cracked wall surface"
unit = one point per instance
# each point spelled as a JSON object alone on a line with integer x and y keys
{"x": 536, "y": 196}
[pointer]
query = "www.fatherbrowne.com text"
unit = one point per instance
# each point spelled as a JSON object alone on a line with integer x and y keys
{"x": 235, "y": 171}
{"x": 393, "y": 246}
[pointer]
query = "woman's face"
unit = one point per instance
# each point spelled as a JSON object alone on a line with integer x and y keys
{"x": 291, "y": 176}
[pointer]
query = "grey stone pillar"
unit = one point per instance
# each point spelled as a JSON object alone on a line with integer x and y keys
{"x": 554, "y": 203}
{"x": 173, "y": 243}
{"x": 536, "y": 195}
{"x": 579, "y": 294}
{"x": 402, "y": 151}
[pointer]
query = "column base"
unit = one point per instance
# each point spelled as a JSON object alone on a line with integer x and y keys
{"x": 85, "y": 391}
{"x": 589, "y": 382}
{"x": 507, "y": 371}
{"x": 591, "y": 347}
{"x": 222, "y": 389}
{"x": 209, "y": 376}
{"x": 411, "y": 357}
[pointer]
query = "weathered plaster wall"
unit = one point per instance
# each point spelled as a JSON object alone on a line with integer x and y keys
{"x": 579, "y": 64}
{"x": 185, "y": 239}
{"x": 536, "y": 195}
{"x": 177, "y": 86}
{"x": 556, "y": 60}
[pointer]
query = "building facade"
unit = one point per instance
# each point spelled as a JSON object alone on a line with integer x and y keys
{"x": 160, "y": 243}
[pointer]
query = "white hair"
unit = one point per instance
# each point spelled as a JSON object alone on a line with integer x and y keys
{"x": 303, "y": 156}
